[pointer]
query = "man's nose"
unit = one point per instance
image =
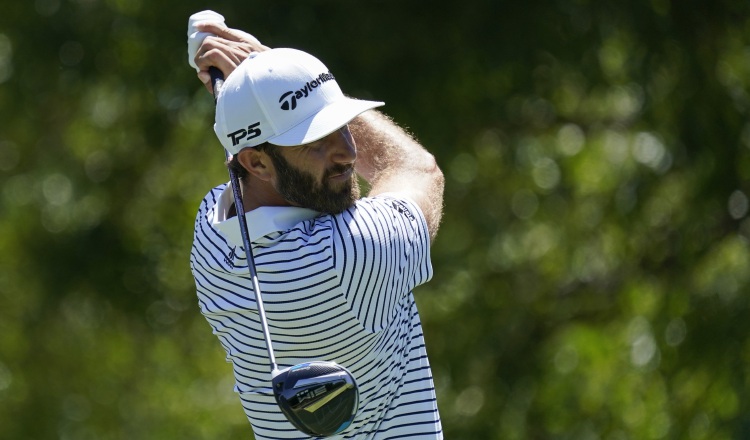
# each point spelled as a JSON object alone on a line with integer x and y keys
{"x": 344, "y": 149}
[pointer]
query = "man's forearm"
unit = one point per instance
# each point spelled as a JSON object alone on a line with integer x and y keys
{"x": 390, "y": 160}
{"x": 384, "y": 147}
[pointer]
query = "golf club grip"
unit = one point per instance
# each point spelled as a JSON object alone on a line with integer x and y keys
{"x": 217, "y": 81}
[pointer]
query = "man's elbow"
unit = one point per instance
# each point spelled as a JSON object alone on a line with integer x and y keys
{"x": 434, "y": 211}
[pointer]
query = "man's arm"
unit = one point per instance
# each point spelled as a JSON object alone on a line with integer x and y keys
{"x": 390, "y": 160}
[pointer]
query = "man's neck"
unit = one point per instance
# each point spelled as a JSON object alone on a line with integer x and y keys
{"x": 262, "y": 194}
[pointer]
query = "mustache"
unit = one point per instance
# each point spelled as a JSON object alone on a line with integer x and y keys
{"x": 337, "y": 169}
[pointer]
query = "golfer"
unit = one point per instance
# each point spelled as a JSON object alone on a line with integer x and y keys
{"x": 336, "y": 269}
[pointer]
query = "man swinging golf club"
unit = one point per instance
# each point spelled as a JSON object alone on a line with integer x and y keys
{"x": 335, "y": 271}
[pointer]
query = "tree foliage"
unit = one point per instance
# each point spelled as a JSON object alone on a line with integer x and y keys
{"x": 592, "y": 270}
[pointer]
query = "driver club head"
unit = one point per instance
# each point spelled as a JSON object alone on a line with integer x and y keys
{"x": 319, "y": 398}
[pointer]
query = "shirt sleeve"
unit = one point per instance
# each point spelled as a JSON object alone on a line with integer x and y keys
{"x": 381, "y": 250}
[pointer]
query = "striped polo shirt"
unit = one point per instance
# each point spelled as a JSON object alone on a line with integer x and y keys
{"x": 335, "y": 288}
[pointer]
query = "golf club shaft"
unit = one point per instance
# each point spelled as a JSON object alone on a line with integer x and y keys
{"x": 217, "y": 80}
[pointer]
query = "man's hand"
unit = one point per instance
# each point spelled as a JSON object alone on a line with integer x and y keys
{"x": 226, "y": 49}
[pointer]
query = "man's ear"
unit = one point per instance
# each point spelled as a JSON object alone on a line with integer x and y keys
{"x": 257, "y": 163}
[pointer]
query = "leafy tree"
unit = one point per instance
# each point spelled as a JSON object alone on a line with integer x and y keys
{"x": 591, "y": 274}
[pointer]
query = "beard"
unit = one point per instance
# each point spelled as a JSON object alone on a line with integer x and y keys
{"x": 302, "y": 189}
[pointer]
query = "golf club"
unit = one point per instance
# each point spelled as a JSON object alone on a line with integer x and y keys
{"x": 319, "y": 398}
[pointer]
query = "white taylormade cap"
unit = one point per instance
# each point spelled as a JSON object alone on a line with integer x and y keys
{"x": 284, "y": 97}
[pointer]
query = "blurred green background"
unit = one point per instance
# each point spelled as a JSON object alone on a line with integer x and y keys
{"x": 591, "y": 275}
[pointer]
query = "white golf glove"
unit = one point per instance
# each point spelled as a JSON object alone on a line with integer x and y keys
{"x": 195, "y": 38}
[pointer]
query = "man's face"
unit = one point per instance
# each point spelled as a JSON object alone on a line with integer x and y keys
{"x": 319, "y": 175}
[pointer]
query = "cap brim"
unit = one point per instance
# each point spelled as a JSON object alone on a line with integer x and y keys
{"x": 329, "y": 119}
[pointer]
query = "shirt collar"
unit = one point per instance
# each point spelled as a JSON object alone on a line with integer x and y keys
{"x": 260, "y": 221}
